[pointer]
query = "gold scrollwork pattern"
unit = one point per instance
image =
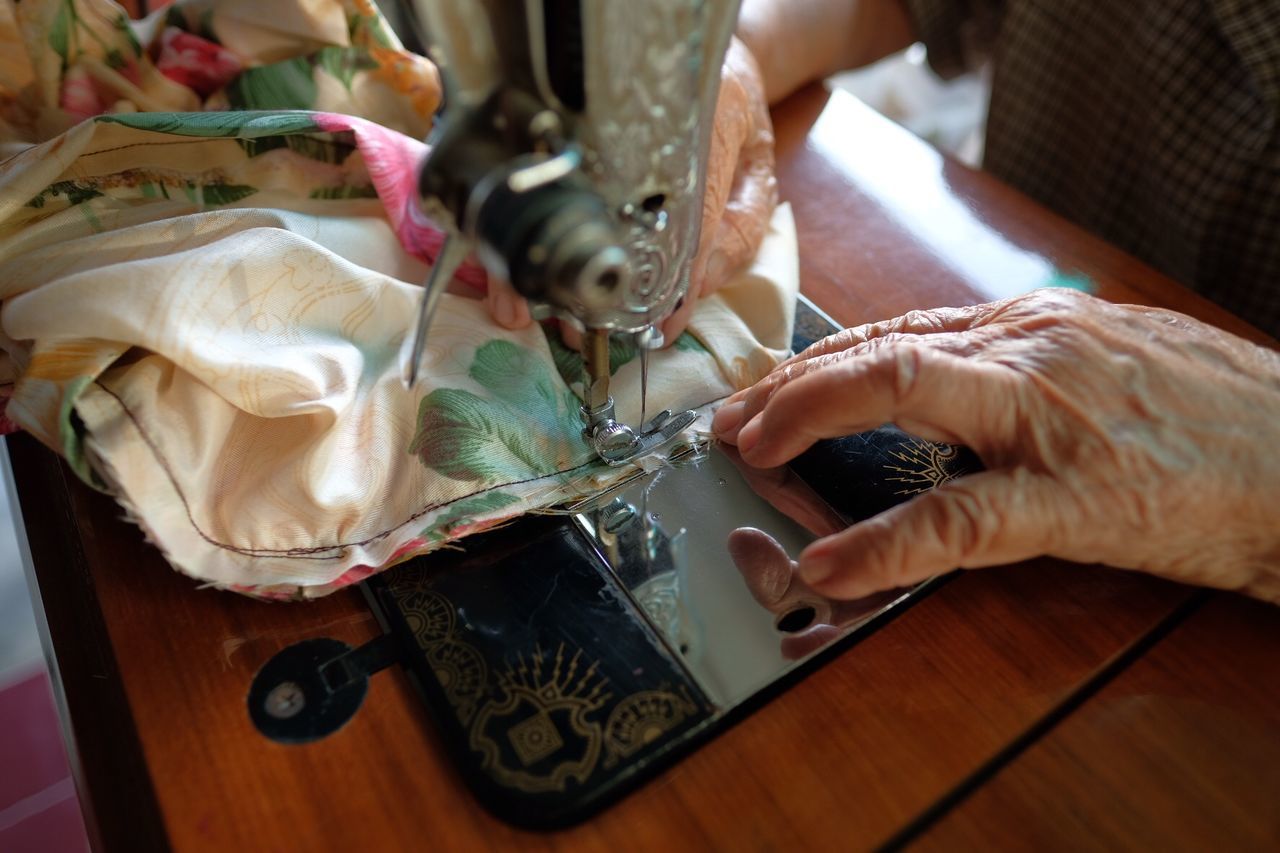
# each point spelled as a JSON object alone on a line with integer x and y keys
{"x": 923, "y": 465}
{"x": 537, "y": 726}
{"x": 544, "y": 713}
{"x": 461, "y": 672}
{"x": 459, "y": 668}
{"x": 641, "y": 719}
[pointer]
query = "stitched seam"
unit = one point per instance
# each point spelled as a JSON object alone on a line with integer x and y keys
{"x": 163, "y": 462}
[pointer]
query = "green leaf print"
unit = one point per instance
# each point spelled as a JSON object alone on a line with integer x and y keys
{"x": 343, "y": 63}
{"x": 326, "y": 148}
{"x": 569, "y": 361}
{"x": 282, "y": 85}
{"x": 461, "y": 512}
{"x": 72, "y": 431}
{"x": 219, "y": 124}
{"x": 218, "y": 194}
{"x": 74, "y": 192}
{"x": 529, "y": 428}
{"x": 121, "y": 23}
{"x": 462, "y": 436}
{"x": 327, "y": 193}
{"x": 688, "y": 342}
{"x": 60, "y": 33}
{"x": 621, "y": 350}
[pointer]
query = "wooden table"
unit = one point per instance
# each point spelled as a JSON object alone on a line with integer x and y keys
{"x": 1042, "y": 705}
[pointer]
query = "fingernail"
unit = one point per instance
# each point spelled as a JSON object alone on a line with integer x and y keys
{"x": 816, "y": 565}
{"x": 749, "y": 435}
{"x": 504, "y": 312}
{"x": 728, "y": 419}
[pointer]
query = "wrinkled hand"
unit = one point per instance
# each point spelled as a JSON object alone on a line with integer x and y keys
{"x": 740, "y": 196}
{"x": 1131, "y": 436}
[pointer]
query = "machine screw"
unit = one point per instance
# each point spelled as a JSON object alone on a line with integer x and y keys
{"x": 617, "y": 517}
{"x": 285, "y": 700}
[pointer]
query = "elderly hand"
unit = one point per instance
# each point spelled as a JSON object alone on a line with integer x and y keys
{"x": 740, "y": 196}
{"x": 1117, "y": 434}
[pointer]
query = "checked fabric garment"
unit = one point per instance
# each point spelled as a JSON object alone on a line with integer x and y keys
{"x": 1153, "y": 123}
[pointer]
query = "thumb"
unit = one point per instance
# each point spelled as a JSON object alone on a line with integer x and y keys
{"x": 984, "y": 519}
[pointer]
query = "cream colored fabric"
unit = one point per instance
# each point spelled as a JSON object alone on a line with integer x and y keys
{"x": 249, "y": 411}
{"x": 207, "y": 313}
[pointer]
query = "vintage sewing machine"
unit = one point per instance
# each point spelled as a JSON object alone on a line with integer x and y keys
{"x": 567, "y": 656}
{"x": 571, "y": 158}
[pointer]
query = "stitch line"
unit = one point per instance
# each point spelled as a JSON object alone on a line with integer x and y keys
{"x": 304, "y": 553}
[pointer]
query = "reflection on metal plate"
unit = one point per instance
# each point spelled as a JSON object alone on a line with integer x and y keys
{"x": 706, "y": 547}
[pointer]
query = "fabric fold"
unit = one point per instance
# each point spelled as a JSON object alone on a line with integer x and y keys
{"x": 207, "y": 313}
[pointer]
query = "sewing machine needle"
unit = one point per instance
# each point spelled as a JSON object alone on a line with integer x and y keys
{"x": 644, "y": 382}
{"x": 452, "y": 253}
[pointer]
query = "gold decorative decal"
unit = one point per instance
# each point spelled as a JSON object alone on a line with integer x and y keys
{"x": 459, "y": 669}
{"x": 429, "y": 614}
{"x": 536, "y": 727}
{"x": 642, "y": 718}
{"x": 924, "y": 465}
{"x": 543, "y": 716}
{"x": 462, "y": 673}
{"x": 535, "y": 739}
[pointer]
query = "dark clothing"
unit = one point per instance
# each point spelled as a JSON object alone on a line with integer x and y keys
{"x": 1153, "y": 123}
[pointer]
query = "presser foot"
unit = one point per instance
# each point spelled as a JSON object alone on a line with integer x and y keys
{"x": 618, "y": 444}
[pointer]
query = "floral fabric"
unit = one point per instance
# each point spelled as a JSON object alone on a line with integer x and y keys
{"x": 206, "y": 313}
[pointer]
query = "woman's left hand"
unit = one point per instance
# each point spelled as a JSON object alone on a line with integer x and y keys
{"x": 1117, "y": 434}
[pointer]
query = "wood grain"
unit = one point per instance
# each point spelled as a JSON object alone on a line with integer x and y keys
{"x": 848, "y": 757}
{"x": 1181, "y": 752}
{"x": 887, "y": 224}
{"x": 845, "y": 758}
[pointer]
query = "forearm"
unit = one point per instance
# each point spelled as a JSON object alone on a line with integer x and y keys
{"x": 796, "y": 41}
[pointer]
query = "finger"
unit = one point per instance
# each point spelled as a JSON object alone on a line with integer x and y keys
{"x": 571, "y": 336}
{"x": 796, "y": 646}
{"x": 939, "y": 321}
{"x": 508, "y": 308}
{"x": 739, "y": 409}
{"x": 920, "y": 322}
{"x": 764, "y": 564}
{"x": 985, "y": 519}
{"x": 675, "y": 324}
{"x": 923, "y": 389}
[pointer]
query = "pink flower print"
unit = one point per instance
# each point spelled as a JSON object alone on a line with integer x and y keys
{"x": 393, "y": 160}
{"x": 6, "y": 426}
{"x": 196, "y": 63}
{"x": 79, "y": 97}
{"x": 410, "y": 548}
{"x": 353, "y": 575}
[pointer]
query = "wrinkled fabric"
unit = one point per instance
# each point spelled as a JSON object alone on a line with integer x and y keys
{"x": 207, "y": 313}
{"x": 62, "y": 61}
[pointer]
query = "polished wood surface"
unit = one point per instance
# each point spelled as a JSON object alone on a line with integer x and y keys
{"x": 1179, "y": 751}
{"x": 887, "y": 743}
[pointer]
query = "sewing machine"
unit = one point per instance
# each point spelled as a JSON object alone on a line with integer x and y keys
{"x": 571, "y": 158}
{"x": 568, "y": 656}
